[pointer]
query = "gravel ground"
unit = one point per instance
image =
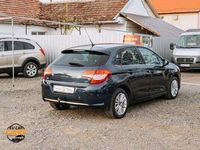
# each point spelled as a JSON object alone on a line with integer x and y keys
{"x": 158, "y": 125}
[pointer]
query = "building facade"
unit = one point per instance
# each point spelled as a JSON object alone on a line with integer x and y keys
{"x": 95, "y": 14}
{"x": 106, "y": 21}
{"x": 184, "y": 14}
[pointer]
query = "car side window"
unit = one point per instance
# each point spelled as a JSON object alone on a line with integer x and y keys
{"x": 19, "y": 46}
{"x": 2, "y": 46}
{"x": 28, "y": 46}
{"x": 150, "y": 57}
{"x": 117, "y": 58}
{"x": 8, "y": 45}
{"x": 128, "y": 56}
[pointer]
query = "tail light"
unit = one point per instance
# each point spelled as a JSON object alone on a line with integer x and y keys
{"x": 97, "y": 76}
{"x": 47, "y": 72}
{"x": 42, "y": 51}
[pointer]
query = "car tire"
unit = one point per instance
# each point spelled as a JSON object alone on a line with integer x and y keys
{"x": 119, "y": 104}
{"x": 58, "y": 106}
{"x": 30, "y": 70}
{"x": 173, "y": 88}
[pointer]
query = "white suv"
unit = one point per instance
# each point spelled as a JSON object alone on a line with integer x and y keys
{"x": 29, "y": 57}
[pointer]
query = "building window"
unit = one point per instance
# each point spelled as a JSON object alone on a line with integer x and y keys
{"x": 37, "y": 33}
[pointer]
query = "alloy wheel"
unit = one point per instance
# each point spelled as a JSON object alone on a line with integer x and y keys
{"x": 121, "y": 104}
{"x": 31, "y": 70}
{"x": 174, "y": 88}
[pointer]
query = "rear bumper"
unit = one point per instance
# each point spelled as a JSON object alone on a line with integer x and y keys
{"x": 71, "y": 103}
{"x": 99, "y": 95}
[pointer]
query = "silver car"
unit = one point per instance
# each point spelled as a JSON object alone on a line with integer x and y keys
{"x": 29, "y": 57}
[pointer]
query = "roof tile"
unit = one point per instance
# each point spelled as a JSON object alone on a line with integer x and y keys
{"x": 25, "y": 8}
{"x": 98, "y": 10}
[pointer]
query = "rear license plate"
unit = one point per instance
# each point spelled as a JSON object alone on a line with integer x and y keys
{"x": 63, "y": 89}
{"x": 185, "y": 65}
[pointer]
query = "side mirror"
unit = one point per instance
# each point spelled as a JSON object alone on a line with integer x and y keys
{"x": 172, "y": 46}
{"x": 165, "y": 62}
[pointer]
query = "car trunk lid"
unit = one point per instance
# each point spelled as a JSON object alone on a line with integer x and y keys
{"x": 70, "y": 67}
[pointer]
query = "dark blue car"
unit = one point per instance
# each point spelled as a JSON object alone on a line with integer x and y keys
{"x": 110, "y": 75}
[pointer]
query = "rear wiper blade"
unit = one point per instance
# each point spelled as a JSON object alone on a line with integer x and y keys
{"x": 76, "y": 64}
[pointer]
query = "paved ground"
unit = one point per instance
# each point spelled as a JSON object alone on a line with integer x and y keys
{"x": 156, "y": 125}
{"x": 191, "y": 78}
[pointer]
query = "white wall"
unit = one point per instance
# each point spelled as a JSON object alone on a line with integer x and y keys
{"x": 199, "y": 21}
{"x": 54, "y": 44}
{"x": 21, "y": 29}
{"x": 183, "y": 21}
{"x": 5, "y": 29}
{"x": 138, "y": 7}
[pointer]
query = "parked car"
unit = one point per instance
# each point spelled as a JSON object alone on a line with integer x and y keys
{"x": 29, "y": 57}
{"x": 186, "y": 53}
{"x": 110, "y": 75}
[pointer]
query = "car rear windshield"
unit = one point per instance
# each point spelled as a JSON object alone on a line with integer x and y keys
{"x": 83, "y": 58}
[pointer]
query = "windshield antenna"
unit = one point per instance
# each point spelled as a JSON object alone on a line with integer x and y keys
{"x": 89, "y": 37}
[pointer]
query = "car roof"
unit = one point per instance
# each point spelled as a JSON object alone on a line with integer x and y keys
{"x": 102, "y": 47}
{"x": 20, "y": 40}
{"x": 15, "y": 38}
{"x": 192, "y": 32}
